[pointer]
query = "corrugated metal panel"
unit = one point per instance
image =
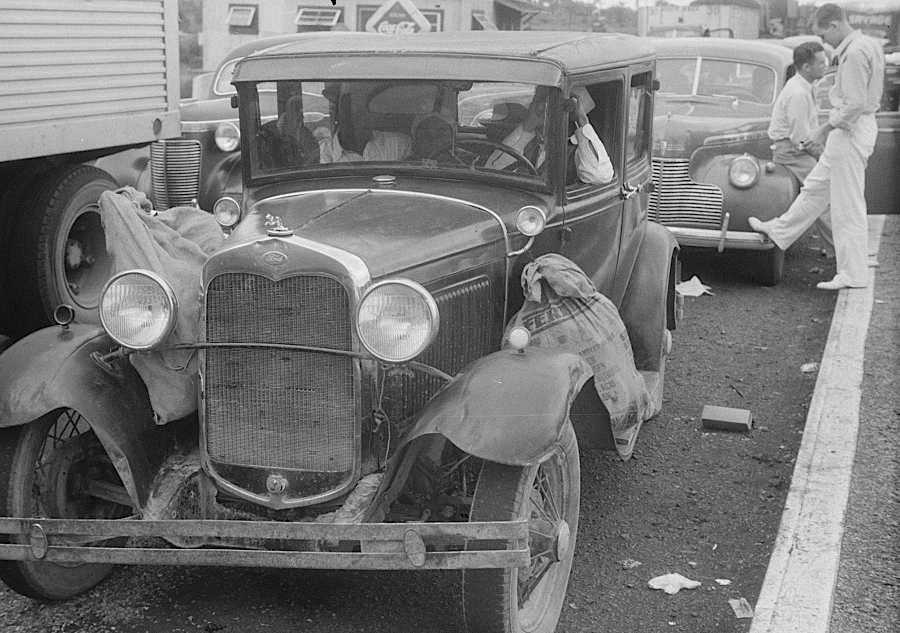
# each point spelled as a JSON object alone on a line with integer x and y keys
{"x": 103, "y": 62}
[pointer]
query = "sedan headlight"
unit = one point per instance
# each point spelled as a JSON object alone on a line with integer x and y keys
{"x": 227, "y": 212}
{"x": 228, "y": 137}
{"x": 138, "y": 309}
{"x": 397, "y": 319}
{"x": 743, "y": 172}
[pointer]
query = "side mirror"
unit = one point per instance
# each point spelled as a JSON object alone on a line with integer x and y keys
{"x": 655, "y": 85}
{"x": 234, "y": 101}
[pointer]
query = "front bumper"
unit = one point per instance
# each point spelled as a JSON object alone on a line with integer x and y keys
{"x": 384, "y": 546}
{"x": 721, "y": 239}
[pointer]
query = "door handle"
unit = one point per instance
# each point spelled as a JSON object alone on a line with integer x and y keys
{"x": 629, "y": 192}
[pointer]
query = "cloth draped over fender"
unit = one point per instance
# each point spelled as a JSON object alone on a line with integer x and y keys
{"x": 175, "y": 244}
{"x": 564, "y": 310}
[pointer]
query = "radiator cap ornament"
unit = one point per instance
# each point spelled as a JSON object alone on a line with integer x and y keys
{"x": 276, "y": 228}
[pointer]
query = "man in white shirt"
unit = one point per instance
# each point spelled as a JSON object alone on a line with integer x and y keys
{"x": 591, "y": 159}
{"x": 849, "y": 139}
{"x": 794, "y": 119}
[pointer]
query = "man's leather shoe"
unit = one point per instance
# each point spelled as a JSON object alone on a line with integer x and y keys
{"x": 758, "y": 225}
{"x": 834, "y": 284}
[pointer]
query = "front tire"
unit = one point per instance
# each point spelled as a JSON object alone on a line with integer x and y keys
{"x": 45, "y": 471}
{"x": 527, "y": 600}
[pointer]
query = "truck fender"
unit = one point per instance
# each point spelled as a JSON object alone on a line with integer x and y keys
{"x": 651, "y": 294}
{"x": 508, "y": 407}
{"x": 52, "y": 369}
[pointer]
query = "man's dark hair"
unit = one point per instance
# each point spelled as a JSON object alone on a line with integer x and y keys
{"x": 806, "y": 53}
{"x": 828, "y": 13}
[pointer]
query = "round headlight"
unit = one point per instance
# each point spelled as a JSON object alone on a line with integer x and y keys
{"x": 530, "y": 220}
{"x": 138, "y": 309}
{"x": 228, "y": 136}
{"x": 397, "y": 319}
{"x": 743, "y": 172}
{"x": 227, "y": 212}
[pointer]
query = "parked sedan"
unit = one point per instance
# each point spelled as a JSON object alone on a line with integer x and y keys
{"x": 712, "y": 165}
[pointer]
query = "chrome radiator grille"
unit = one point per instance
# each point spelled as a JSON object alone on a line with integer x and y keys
{"x": 678, "y": 200}
{"x": 175, "y": 168}
{"x": 279, "y": 408}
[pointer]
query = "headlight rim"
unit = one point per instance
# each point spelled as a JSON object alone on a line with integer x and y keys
{"x": 748, "y": 159}
{"x": 519, "y": 222}
{"x": 237, "y": 216}
{"x": 434, "y": 312}
{"x": 170, "y": 296}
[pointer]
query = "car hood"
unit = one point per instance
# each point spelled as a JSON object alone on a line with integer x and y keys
{"x": 680, "y": 128}
{"x": 391, "y": 231}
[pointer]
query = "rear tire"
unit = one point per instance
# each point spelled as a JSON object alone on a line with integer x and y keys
{"x": 60, "y": 247}
{"x": 526, "y": 599}
{"x": 44, "y": 467}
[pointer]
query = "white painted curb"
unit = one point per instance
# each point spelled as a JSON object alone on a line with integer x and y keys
{"x": 798, "y": 591}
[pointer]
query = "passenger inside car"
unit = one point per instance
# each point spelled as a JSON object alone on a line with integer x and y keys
{"x": 431, "y": 134}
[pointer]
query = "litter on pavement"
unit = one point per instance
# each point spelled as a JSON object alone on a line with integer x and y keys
{"x": 726, "y": 418}
{"x": 741, "y": 608}
{"x": 692, "y": 288}
{"x": 808, "y": 368}
{"x": 673, "y": 583}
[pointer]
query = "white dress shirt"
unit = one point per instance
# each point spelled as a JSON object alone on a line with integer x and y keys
{"x": 794, "y": 114}
{"x": 859, "y": 81}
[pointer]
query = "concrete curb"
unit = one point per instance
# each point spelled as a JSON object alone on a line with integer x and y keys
{"x": 798, "y": 590}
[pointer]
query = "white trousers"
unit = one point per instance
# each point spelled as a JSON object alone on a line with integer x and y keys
{"x": 837, "y": 179}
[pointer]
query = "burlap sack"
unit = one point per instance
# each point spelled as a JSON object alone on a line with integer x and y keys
{"x": 563, "y": 309}
{"x": 175, "y": 244}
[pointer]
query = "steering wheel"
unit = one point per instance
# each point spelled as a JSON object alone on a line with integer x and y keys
{"x": 466, "y": 149}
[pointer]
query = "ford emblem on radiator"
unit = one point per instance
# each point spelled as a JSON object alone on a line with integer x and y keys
{"x": 274, "y": 258}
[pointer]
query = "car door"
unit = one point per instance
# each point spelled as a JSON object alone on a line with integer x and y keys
{"x": 594, "y": 212}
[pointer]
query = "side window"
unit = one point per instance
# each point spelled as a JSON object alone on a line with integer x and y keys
{"x": 639, "y": 113}
{"x": 591, "y": 157}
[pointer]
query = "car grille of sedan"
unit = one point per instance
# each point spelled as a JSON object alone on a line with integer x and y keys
{"x": 175, "y": 168}
{"x": 278, "y": 408}
{"x": 676, "y": 199}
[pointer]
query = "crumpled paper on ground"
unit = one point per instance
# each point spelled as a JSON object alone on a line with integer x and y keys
{"x": 693, "y": 287}
{"x": 673, "y": 583}
{"x": 175, "y": 244}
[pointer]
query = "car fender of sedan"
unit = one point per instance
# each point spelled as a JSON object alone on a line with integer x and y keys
{"x": 711, "y": 151}
{"x": 361, "y": 404}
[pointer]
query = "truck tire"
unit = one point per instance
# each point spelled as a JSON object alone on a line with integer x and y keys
{"x": 14, "y": 185}
{"x": 60, "y": 249}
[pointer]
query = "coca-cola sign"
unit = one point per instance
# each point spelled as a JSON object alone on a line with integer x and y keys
{"x": 398, "y": 17}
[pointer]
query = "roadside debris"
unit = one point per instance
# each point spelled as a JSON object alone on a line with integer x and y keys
{"x": 815, "y": 270}
{"x": 629, "y": 563}
{"x": 673, "y": 583}
{"x": 692, "y": 288}
{"x": 741, "y": 608}
{"x": 726, "y": 418}
{"x": 723, "y": 581}
{"x": 808, "y": 368}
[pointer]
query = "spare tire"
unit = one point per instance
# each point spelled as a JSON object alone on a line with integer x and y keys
{"x": 60, "y": 249}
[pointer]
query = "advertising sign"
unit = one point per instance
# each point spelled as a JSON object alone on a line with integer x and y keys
{"x": 398, "y": 17}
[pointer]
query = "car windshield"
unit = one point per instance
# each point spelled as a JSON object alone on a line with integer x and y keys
{"x": 696, "y": 76}
{"x": 444, "y": 126}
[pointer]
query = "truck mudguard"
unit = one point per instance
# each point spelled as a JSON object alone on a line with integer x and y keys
{"x": 651, "y": 293}
{"x": 52, "y": 369}
{"x": 508, "y": 407}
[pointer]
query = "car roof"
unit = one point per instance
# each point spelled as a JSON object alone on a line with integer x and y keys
{"x": 277, "y": 40}
{"x": 506, "y": 55}
{"x": 763, "y": 51}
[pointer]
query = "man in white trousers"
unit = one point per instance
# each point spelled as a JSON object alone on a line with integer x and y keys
{"x": 794, "y": 119}
{"x": 849, "y": 139}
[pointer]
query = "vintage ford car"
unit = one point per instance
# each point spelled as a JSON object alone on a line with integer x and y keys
{"x": 356, "y": 405}
{"x": 712, "y": 156}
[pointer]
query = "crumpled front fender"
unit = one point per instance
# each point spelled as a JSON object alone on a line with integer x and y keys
{"x": 52, "y": 369}
{"x": 508, "y": 407}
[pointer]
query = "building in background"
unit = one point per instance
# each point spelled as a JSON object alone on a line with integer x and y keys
{"x": 229, "y": 23}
